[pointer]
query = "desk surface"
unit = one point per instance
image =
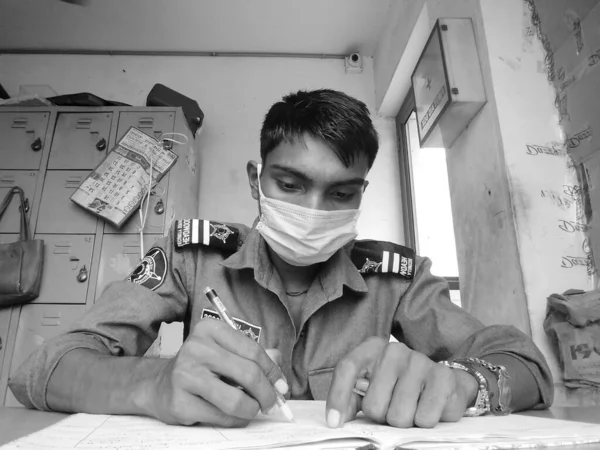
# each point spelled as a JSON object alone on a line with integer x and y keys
{"x": 19, "y": 422}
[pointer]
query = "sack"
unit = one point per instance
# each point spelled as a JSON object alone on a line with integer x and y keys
{"x": 21, "y": 262}
{"x": 573, "y": 323}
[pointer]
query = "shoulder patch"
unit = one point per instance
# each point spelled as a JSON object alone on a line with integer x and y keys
{"x": 383, "y": 257}
{"x": 151, "y": 271}
{"x": 193, "y": 232}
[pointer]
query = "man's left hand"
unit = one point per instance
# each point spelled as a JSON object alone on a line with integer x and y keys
{"x": 406, "y": 388}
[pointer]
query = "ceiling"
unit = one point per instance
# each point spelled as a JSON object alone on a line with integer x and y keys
{"x": 326, "y": 27}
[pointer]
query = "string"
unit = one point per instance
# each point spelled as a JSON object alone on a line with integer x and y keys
{"x": 144, "y": 215}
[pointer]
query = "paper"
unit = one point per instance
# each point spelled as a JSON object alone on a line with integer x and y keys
{"x": 115, "y": 189}
{"x": 85, "y": 431}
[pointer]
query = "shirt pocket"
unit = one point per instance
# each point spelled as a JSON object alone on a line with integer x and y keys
{"x": 319, "y": 381}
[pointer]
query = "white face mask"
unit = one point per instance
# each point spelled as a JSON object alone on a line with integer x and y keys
{"x": 304, "y": 236}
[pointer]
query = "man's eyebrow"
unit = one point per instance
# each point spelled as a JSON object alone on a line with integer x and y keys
{"x": 291, "y": 171}
{"x": 301, "y": 175}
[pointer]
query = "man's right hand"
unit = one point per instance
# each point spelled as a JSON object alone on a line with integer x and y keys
{"x": 199, "y": 384}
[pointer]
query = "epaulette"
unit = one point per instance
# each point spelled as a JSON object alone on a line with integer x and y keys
{"x": 383, "y": 257}
{"x": 193, "y": 232}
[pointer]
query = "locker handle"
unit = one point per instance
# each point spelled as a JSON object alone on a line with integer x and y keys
{"x": 36, "y": 146}
{"x": 146, "y": 122}
{"x": 83, "y": 124}
{"x": 19, "y": 122}
{"x": 101, "y": 145}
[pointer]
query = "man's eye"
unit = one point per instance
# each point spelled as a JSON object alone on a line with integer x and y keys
{"x": 288, "y": 186}
{"x": 343, "y": 195}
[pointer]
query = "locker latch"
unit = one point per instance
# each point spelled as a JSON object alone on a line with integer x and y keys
{"x": 36, "y": 145}
{"x": 101, "y": 144}
{"x": 159, "y": 208}
{"x": 82, "y": 276}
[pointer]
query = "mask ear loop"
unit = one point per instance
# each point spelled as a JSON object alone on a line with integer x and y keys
{"x": 144, "y": 215}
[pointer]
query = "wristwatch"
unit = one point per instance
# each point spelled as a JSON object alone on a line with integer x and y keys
{"x": 482, "y": 402}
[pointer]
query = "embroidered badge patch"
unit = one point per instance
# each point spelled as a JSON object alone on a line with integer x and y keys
{"x": 151, "y": 270}
{"x": 252, "y": 331}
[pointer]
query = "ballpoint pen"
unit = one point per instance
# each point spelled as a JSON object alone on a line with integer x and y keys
{"x": 224, "y": 314}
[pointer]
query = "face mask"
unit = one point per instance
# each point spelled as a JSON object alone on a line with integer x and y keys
{"x": 303, "y": 236}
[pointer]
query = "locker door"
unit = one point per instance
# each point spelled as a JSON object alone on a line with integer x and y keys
{"x": 67, "y": 260}
{"x": 152, "y": 123}
{"x": 27, "y": 180}
{"x": 8, "y": 238}
{"x": 80, "y": 140}
{"x": 22, "y": 142}
{"x": 58, "y": 213}
{"x": 4, "y": 325}
{"x": 37, "y": 324}
{"x": 119, "y": 256}
{"x": 157, "y": 211}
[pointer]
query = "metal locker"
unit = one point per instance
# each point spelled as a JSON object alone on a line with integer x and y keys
{"x": 157, "y": 212}
{"x": 8, "y": 238}
{"x": 23, "y": 135}
{"x": 119, "y": 256}
{"x": 67, "y": 268}
{"x": 25, "y": 179}
{"x": 4, "y": 325}
{"x": 152, "y": 123}
{"x": 37, "y": 324}
{"x": 80, "y": 140}
{"x": 58, "y": 213}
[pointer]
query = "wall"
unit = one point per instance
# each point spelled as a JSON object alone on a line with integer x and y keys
{"x": 235, "y": 94}
{"x": 487, "y": 250}
{"x": 513, "y": 190}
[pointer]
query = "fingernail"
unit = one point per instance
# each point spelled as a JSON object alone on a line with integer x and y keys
{"x": 333, "y": 418}
{"x": 281, "y": 386}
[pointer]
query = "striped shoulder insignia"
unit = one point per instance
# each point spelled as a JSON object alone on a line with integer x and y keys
{"x": 193, "y": 232}
{"x": 383, "y": 257}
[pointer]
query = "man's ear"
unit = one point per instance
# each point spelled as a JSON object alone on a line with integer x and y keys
{"x": 252, "y": 170}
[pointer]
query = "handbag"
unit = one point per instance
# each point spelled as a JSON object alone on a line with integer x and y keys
{"x": 21, "y": 262}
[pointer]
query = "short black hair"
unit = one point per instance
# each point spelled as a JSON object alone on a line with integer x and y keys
{"x": 343, "y": 122}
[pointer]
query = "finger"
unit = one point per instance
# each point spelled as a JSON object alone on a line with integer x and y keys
{"x": 403, "y": 405}
{"x": 348, "y": 369}
{"x": 392, "y": 362}
{"x": 238, "y": 371}
{"x": 454, "y": 409}
{"x": 237, "y": 343}
{"x": 193, "y": 409}
{"x": 438, "y": 388}
{"x": 353, "y": 408}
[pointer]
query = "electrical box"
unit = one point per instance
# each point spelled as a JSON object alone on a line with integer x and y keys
{"x": 447, "y": 83}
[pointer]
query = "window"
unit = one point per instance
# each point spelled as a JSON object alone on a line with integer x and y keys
{"x": 427, "y": 209}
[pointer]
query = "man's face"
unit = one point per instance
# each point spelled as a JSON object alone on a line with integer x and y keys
{"x": 307, "y": 173}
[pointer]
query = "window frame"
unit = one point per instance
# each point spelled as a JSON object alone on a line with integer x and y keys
{"x": 406, "y": 181}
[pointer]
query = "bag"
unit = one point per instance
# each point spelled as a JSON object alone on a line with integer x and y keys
{"x": 21, "y": 262}
{"x": 573, "y": 324}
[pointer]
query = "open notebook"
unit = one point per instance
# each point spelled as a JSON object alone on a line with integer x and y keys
{"x": 85, "y": 431}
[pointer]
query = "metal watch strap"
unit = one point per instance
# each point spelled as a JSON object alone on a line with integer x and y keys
{"x": 500, "y": 403}
{"x": 482, "y": 402}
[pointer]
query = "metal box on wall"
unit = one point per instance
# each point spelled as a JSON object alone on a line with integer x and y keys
{"x": 447, "y": 83}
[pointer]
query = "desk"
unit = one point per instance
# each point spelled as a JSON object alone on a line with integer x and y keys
{"x": 18, "y": 422}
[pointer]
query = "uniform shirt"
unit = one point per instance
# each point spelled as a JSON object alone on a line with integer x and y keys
{"x": 344, "y": 306}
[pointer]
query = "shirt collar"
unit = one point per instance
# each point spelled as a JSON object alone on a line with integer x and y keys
{"x": 337, "y": 272}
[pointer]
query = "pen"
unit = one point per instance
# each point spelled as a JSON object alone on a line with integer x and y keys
{"x": 224, "y": 314}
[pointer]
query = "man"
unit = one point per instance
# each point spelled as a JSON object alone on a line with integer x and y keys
{"x": 296, "y": 282}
